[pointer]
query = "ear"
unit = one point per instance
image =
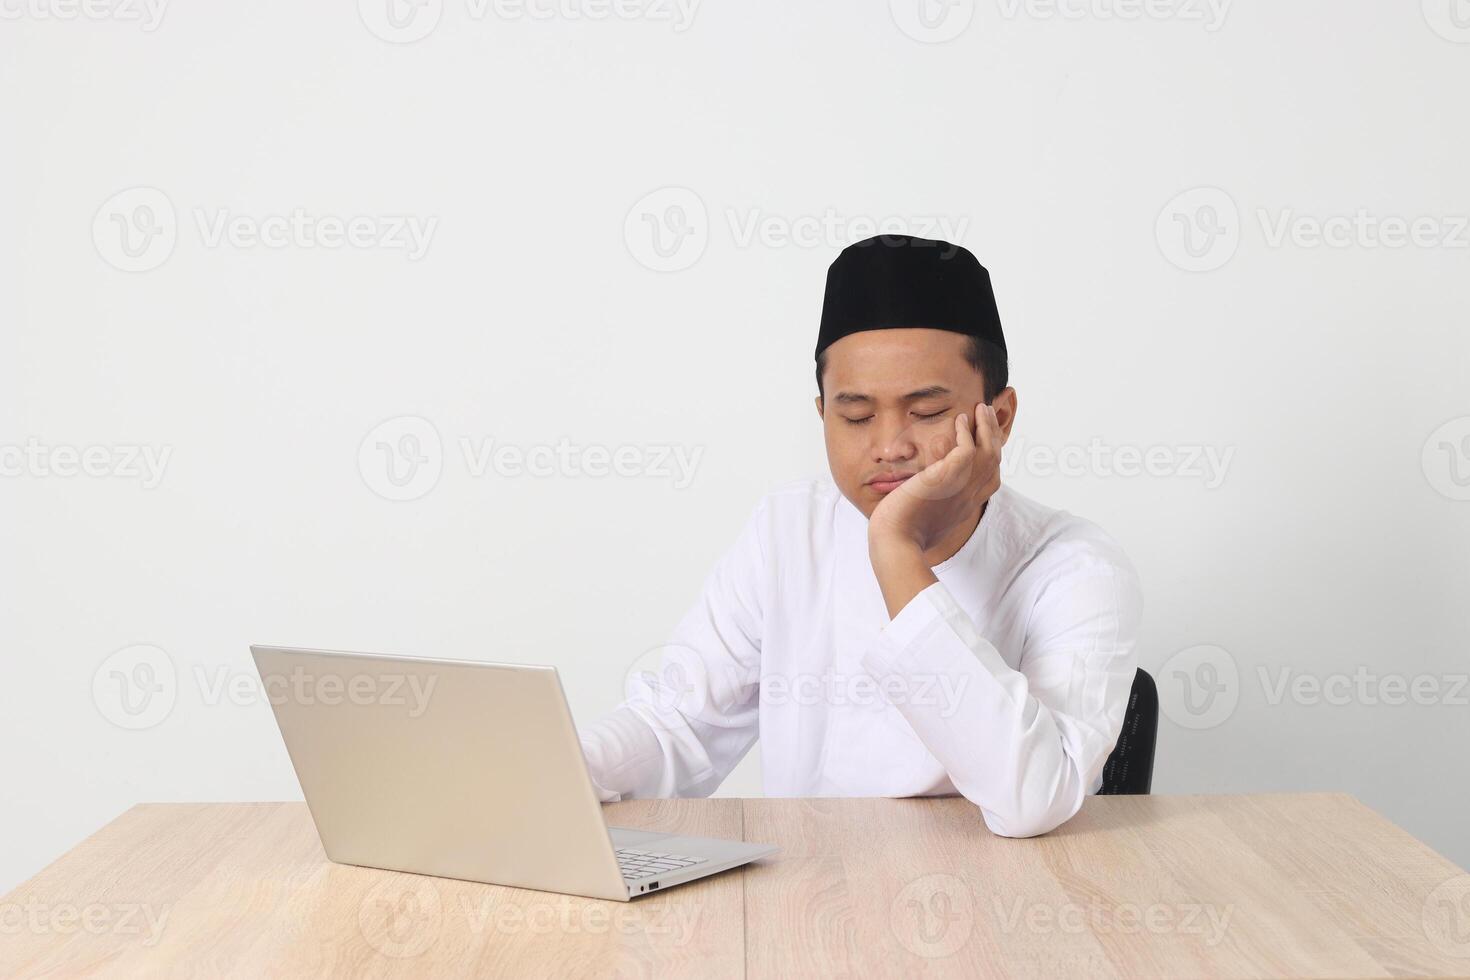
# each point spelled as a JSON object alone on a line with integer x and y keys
{"x": 819, "y": 407}
{"x": 1005, "y": 412}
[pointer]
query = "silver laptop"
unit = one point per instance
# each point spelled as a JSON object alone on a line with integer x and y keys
{"x": 463, "y": 770}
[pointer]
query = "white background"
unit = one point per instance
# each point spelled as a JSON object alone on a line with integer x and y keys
{"x": 1051, "y": 143}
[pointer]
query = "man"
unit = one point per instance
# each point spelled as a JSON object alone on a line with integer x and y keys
{"x": 913, "y": 628}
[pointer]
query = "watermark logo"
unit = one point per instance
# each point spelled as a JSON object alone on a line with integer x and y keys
{"x": 670, "y": 229}
{"x": 667, "y": 230}
{"x": 942, "y": 692}
{"x": 1446, "y": 459}
{"x": 406, "y": 21}
{"x": 1199, "y": 230}
{"x": 1364, "y": 686}
{"x": 571, "y": 460}
{"x": 1097, "y": 918}
{"x": 1450, "y": 19}
{"x": 1200, "y": 687}
{"x": 402, "y": 458}
{"x": 136, "y": 687}
{"x": 147, "y": 14}
{"x": 1446, "y": 917}
{"x": 401, "y": 916}
{"x": 932, "y": 21}
{"x": 832, "y": 230}
{"x": 662, "y": 680}
{"x": 136, "y": 229}
{"x": 1363, "y": 229}
{"x": 679, "y": 13}
{"x": 400, "y": 21}
{"x": 1207, "y": 465}
{"x": 673, "y": 922}
{"x": 933, "y": 916}
{"x": 1208, "y": 13}
{"x": 125, "y": 461}
{"x": 143, "y": 921}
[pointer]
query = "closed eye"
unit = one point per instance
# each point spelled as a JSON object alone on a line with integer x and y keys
{"x": 931, "y": 415}
{"x": 862, "y": 421}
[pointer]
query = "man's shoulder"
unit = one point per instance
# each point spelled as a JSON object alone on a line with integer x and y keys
{"x": 1055, "y": 537}
{"x": 810, "y": 500}
{"x": 805, "y": 513}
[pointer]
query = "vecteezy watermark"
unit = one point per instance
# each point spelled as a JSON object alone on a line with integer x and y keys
{"x": 663, "y": 683}
{"x": 673, "y": 922}
{"x": 669, "y": 229}
{"x": 1363, "y": 229}
{"x": 1199, "y": 687}
{"x": 1446, "y": 916}
{"x": 403, "y": 458}
{"x": 933, "y": 915}
{"x": 406, "y": 21}
{"x": 401, "y": 915}
{"x": 573, "y": 460}
{"x": 1210, "y": 14}
{"x": 1099, "y": 918}
{"x": 1206, "y": 464}
{"x": 937, "y": 21}
{"x": 1450, "y": 19}
{"x": 1364, "y": 686}
{"x": 669, "y": 683}
{"x": 142, "y": 920}
{"x": 1446, "y": 459}
{"x": 136, "y": 687}
{"x": 932, "y": 21}
{"x": 833, "y": 230}
{"x": 137, "y": 229}
{"x": 147, "y": 14}
{"x": 123, "y": 461}
{"x": 400, "y": 21}
{"x": 1201, "y": 229}
{"x": 313, "y": 686}
{"x": 943, "y": 692}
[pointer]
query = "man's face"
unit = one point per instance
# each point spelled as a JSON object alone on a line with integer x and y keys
{"x": 888, "y": 407}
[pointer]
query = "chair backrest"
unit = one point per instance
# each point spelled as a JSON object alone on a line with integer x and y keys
{"x": 1130, "y": 769}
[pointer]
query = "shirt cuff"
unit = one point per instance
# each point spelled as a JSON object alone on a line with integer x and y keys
{"x": 913, "y": 624}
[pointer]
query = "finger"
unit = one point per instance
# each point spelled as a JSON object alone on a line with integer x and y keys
{"x": 987, "y": 427}
{"x": 964, "y": 434}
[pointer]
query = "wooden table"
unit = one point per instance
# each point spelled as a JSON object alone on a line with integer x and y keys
{"x": 1278, "y": 885}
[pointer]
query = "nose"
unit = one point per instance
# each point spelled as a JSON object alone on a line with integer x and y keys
{"x": 893, "y": 441}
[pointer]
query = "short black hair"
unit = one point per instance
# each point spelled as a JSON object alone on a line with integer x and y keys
{"x": 987, "y": 358}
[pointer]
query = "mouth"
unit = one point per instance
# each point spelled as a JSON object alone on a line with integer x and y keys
{"x": 885, "y": 483}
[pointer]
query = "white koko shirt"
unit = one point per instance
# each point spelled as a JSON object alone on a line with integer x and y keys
{"x": 1005, "y": 681}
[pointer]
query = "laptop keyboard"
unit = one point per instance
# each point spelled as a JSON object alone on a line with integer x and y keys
{"x": 638, "y": 864}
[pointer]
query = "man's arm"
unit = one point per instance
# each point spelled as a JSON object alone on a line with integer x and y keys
{"x": 1025, "y": 746}
{"x": 689, "y": 720}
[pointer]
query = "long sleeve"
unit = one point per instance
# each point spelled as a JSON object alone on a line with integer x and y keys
{"x": 684, "y": 725}
{"x": 1024, "y": 745}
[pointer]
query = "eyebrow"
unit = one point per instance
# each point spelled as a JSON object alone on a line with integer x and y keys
{"x": 932, "y": 391}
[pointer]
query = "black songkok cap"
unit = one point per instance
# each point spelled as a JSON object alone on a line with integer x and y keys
{"x": 902, "y": 281}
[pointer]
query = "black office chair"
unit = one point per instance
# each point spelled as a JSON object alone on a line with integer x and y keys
{"x": 1130, "y": 769}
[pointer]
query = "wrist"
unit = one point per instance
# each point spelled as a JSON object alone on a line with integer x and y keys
{"x": 886, "y": 543}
